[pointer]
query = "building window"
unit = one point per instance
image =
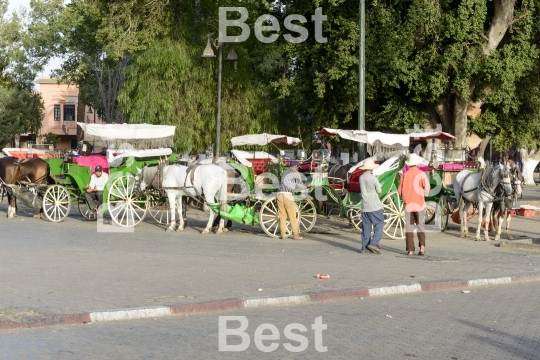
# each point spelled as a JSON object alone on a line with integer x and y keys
{"x": 56, "y": 112}
{"x": 69, "y": 112}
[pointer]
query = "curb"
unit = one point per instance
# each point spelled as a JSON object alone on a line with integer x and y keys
{"x": 257, "y": 302}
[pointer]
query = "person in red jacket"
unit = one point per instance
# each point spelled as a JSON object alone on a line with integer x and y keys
{"x": 413, "y": 187}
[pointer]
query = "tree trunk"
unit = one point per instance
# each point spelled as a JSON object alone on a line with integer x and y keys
{"x": 460, "y": 120}
{"x": 530, "y": 160}
{"x": 503, "y": 17}
{"x": 482, "y": 150}
{"x": 443, "y": 110}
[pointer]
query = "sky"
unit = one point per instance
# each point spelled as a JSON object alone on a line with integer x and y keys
{"x": 55, "y": 62}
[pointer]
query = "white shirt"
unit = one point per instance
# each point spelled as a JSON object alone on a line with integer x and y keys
{"x": 99, "y": 182}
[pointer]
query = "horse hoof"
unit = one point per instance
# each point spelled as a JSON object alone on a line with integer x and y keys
{"x": 225, "y": 230}
{"x": 219, "y": 232}
{"x": 497, "y": 238}
{"x": 169, "y": 230}
{"x": 180, "y": 228}
{"x": 206, "y": 231}
{"x": 510, "y": 237}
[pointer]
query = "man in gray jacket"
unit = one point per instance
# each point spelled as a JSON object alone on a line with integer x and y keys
{"x": 372, "y": 209}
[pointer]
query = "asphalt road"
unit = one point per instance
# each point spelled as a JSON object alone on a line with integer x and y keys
{"x": 501, "y": 322}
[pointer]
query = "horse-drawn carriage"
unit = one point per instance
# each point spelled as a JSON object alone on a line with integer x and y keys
{"x": 262, "y": 172}
{"x": 242, "y": 190}
{"x": 127, "y": 148}
{"x": 391, "y": 150}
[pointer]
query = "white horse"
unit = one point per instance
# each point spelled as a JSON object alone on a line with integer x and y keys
{"x": 480, "y": 188}
{"x": 209, "y": 181}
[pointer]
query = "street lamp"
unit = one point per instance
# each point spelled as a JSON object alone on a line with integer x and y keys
{"x": 209, "y": 53}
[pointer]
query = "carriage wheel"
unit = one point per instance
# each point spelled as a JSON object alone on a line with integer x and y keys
{"x": 85, "y": 210}
{"x": 306, "y": 214}
{"x": 444, "y": 212}
{"x": 394, "y": 216}
{"x": 269, "y": 219}
{"x": 431, "y": 210}
{"x": 355, "y": 217}
{"x": 159, "y": 208}
{"x": 56, "y": 203}
{"x": 126, "y": 209}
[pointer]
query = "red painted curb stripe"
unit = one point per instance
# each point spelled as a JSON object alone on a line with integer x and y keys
{"x": 207, "y": 307}
{"x": 334, "y": 295}
{"x": 439, "y": 285}
{"x": 68, "y": 319}
{"x": 532, "y": 277}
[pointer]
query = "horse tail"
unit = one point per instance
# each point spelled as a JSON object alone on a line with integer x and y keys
{"x": 223, "y": 191}
{"x": 49, "y": 178}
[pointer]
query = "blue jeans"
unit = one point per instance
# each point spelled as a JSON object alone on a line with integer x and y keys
{"x": 375, "y": 219}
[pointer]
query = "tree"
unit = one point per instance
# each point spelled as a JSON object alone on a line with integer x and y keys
{"x": 20, "y": 111}
{"x": 169, "y": 82}
{"x": 425, "y": 62}
{"x": 52, "y": 138}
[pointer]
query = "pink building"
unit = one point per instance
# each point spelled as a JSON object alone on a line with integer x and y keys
{"x": 62, "y": 112}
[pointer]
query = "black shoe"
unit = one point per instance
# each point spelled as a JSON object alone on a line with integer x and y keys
{"x": 374, "y": 249}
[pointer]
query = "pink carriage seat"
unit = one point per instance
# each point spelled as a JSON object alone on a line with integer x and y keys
{"x": 451, "y": 167}
{"x": 92, "y": 161}
{"x": 259, "y": 165}
{"x": 420, "y": 167}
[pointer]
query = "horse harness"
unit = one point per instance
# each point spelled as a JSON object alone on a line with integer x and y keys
{"x": 157, "y": 181}
{"x": 498, "y": 194}
{"x": 18, "y": 164}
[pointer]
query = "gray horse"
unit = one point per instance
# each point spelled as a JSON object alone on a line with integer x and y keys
{"x": 481, "y": 189}
{"x": 504, "y": 207}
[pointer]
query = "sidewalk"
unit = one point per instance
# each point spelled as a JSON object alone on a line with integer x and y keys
{"x": 49, "y": 270}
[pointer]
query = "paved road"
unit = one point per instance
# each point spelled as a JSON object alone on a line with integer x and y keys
{"x": 498, "y": 322}
{"x": 48, "y": 268}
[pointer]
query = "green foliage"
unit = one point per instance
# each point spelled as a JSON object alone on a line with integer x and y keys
{"x": 52, "y": 138}
{"x": 170, "y": 84}
{"x": 20, "y": 111}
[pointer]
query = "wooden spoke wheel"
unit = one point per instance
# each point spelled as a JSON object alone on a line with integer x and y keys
{"x": 443, "y": 213}
{"x": 394, "y": 216}
{"x": 431, "y": 210}
{"x": 269, "y": 219}
{"x": 306, "y": 214}
{"x": 56, "y": 203}
{"x": 126, "y": 209}
{"x": 85, "y": 210}
{"x": 355, "y": 217}
{"x": 159, "y": 207}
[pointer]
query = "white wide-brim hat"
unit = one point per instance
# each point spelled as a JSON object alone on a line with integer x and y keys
{"x": 369, "y": 164}
{"x": 414, "y": 160}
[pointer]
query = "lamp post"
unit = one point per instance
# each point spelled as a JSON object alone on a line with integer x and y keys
{"x": 209, "y": 53}
{"x": 361, "y": 80}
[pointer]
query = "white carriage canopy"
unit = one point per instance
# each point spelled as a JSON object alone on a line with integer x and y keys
{"x": 378, "y": 143}
{"x": 140, "y": 136}
{"x": 264, "y": 139}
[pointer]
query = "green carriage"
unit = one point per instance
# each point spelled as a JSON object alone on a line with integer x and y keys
{"x": 129, "y": 148}
{"x": 260, "y": 172}
{"x": 349, "y": 199}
